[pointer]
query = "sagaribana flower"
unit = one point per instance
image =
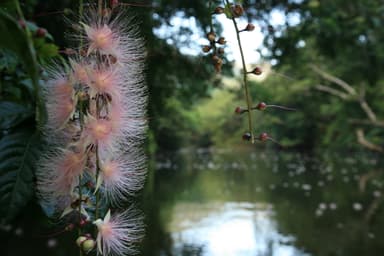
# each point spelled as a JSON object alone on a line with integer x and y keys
{"x": 118, "y": 233}
{"x": 80, "y": 72}
{"x": 101, "y": 38}
{"x": 60, "y": 101}
{"x": 58, "y": 175}
{"x": 121, "y": 177}
{"x": 104, "y": 80}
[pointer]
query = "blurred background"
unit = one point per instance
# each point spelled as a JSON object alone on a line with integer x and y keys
{"x": 208, "y": 192}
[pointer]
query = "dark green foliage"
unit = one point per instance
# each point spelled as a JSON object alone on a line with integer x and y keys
{"x": 21, "y": 109}
{"x": 12, "y": 114}
{"x": 19, "y": 154}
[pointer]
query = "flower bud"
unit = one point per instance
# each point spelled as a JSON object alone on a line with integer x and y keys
{"x": 249, "y": 27}
{"x": 221, "y": 41}
{"x": 113, "y": 3}
{"x": 41, "y": 32}
{"x": 257, "y": 71}
{"x": 237, "y": 10}
{"x": 263, "y": 136}
{"x": 80, "y": 240}
{"x": 88, "y": 245}
{"x": 218, "y": 10}
{"x": 261, "y": 106}
{"x": 82, "y": 222}
{"x": 220, "y": 51}
{"x": 211, "y": 36}
{"x": 206, "y": 48}
{"x": 240, "y": 110}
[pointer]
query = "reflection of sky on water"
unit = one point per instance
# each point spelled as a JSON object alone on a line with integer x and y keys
{"x": 230, "y": 228}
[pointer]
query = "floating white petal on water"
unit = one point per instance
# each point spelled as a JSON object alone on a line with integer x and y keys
{"x": 322, "y": 206}
{"x": 333, "y": 206}
{"x": 357, "y": 206}
{"x": 376, "y": 193}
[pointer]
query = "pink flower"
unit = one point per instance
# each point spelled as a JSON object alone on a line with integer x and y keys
{"x": 60, "y": 102}
{"x": 118, "y": 234}
{"x": 99, "y": 132}
{"x": 58, "y": 175}
{"x": 80, "y": 71}
{"x": 122, "y": 177}
{"x": 104, "y": 81}
{"x": 101, "y": 38}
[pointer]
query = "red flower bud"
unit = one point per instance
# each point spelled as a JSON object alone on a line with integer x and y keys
{"x": 263, "y": 136}
{"x": 261, "y": 106}
{"x": 41, "y": 32}
{"x": 240, "y": 110}
{"x": 83, "y": 222}
{"x": 257, "y": 71}
{"x": 113, "y": 3}
{"x": 249, "y": 27}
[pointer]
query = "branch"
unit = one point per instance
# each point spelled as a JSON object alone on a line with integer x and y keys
{"x": 376, "y": 123}
{"x": 332, "y": 91}
{"x": 367, "y": 109}
{"x": 334, "y": 79}
{"x": 369, "y": 145}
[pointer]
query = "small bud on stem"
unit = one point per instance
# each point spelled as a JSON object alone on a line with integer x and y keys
{"x": 237, "y": 10}
{"x": 211, "y": 36}
{"x": 218, "y": 10}
{"x": 256, "y": 71}
{"x": 250, "y": 27}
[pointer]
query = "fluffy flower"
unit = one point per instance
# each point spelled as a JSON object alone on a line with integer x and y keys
{"x": 121, "y": 177}
{"x": 58, "y": 175}
{"x": 60, "y": 102}
{"x": 117, "y": 234}
{"x": 101, "y": 38}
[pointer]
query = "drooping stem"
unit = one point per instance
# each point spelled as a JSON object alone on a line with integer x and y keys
{"x": 100, "y": 7}
{"x": 97, "y": 203}
{"x": 40, "y": 107}
{"x": 245, "y": 81}
{"x": 97, "y": 178}
{"x": 81, "y": 119}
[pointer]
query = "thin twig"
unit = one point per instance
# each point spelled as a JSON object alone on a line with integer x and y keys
{"x": 369, "y": 145}
{"x": 334, "y": 79}
{"x": 332, "y": 91}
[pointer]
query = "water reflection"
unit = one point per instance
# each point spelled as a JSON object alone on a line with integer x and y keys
{"x": 235, "y": 203}
{"x": 265, "y": 203}
{"x": 228, "y": 228}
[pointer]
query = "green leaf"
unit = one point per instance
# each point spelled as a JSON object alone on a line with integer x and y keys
{"x": 18, "y": 41}
{"x": 48, "y": 51}
{"x": 12, "y": 114}
{"x": 18, "y": 156}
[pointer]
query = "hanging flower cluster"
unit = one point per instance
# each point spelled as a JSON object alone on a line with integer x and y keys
{"x": 96, "y": 107}
{"x": 233, "y": 12}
